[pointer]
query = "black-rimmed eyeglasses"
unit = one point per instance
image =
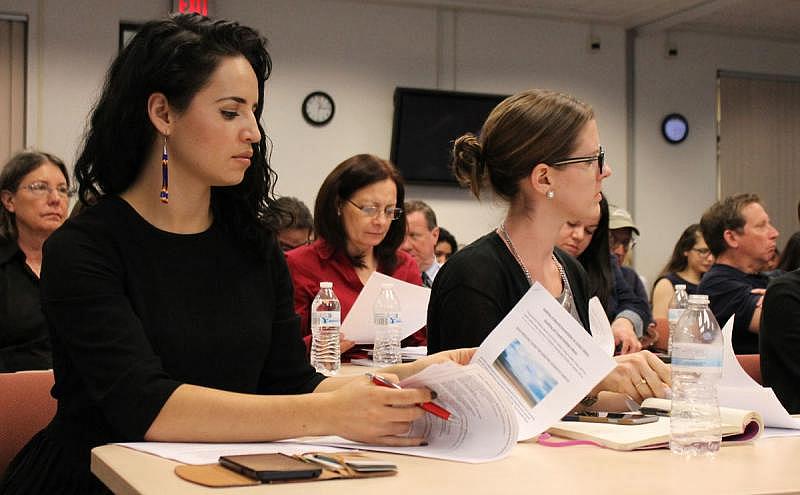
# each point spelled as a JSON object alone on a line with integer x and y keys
{"x": 391, "y": 212}
{"x": 600, "y": 157}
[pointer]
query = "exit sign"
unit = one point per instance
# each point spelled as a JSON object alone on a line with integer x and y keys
{"x": 191, "y": 6}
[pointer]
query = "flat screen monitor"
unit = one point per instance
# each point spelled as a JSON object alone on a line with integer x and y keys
{"x": 426, "y": 122}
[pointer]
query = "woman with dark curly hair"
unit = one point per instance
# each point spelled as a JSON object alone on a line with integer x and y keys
{"x": 169, "y": 302}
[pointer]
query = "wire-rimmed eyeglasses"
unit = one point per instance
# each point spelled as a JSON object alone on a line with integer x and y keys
{"x": 391, "y": 212}
{"x": 43, "y": 189}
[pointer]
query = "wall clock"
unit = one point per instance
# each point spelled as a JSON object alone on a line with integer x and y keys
{"x": 318, "y": 108}
{"x": 675, "y": 128}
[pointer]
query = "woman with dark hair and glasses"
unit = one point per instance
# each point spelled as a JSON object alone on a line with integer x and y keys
{"x": 359, "y": 223}
{"x": 169, "y": 300}
{"x": 540, "y": 152}
{"x": 34, "y": 193}
{"x": 587, "y": 239}
{"x": 690, "y": 259}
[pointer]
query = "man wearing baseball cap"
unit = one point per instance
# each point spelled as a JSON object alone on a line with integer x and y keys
{"x": 623, "y": 232}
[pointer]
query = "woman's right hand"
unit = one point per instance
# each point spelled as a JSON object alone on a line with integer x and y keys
{"x": 344, "y": 344}
{"x": 365, "y": 412}
{"x": 625, "y": 335}
{"x": 639, "y": 375}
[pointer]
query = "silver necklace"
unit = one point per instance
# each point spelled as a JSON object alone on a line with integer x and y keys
{"x": 507, "y": 240}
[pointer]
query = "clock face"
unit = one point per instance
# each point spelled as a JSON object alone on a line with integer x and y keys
{"x": 318, "y": 108}
{"x": 675, "y": 128}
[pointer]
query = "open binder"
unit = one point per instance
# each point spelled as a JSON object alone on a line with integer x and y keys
{"x": 737, "y": 425}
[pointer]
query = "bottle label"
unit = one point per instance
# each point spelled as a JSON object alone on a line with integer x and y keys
{"x": 329, "y": 318}
{"x": 696, "y": 357}
{"x": 674, "y": 314}
{"x": 386, "y": 319}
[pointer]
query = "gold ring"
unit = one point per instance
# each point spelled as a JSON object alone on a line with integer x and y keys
{"x": 643, "y": 382}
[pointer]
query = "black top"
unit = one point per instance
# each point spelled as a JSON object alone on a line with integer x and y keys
{"x": 135, "y": 312}
{"x": 478, "y": 287}
{"x": 634, "y": 281}
{"x": 780, "y": 340}
{"x": 728, "y": 291}
{"x": 24, "y": 339}
{"x": 676, "y": 279}
{"x": 623, "y": 302}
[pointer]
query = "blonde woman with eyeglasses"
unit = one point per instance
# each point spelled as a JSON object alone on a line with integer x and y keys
{"x": 359, "y": 225}
{"x": 690, "y": 259}
{"x": 34, "y": 193}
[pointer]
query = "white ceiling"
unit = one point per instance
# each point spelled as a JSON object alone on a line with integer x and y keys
{"x": 768, "y": 19}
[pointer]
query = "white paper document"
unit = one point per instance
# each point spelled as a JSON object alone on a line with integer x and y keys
{"x": 601, "y": 327}
{"x": 357, "y": 326}
{"x": 407, "y": 354}
{"x": 484, "y": 429}
{"x": 530, "y": 371}
{"x": 543, "y": 359}
{"x": 738, "y": 390}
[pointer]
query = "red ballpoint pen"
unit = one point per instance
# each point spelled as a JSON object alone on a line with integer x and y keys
{"x": 432, "y": 408}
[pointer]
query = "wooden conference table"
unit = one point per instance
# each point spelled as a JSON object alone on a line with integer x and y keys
{"x": 769, "y": 465}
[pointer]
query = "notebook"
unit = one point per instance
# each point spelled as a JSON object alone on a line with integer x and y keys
{"x": 738, "y": 426}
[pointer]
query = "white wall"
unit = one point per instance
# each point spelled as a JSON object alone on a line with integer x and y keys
{"x": 356, "y": 52}
{"x": 674, "y": 184}
{"x": 360, "y": 52}
{"x": 70, "y": 48}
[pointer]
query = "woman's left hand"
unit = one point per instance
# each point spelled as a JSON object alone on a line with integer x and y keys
{"x": 639, "y": 375}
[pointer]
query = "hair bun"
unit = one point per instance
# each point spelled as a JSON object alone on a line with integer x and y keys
{"x": 468, "y": 163}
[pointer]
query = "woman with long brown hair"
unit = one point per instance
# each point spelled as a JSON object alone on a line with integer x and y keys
{"x": 690, "y": 259}
{"x": 540, "y": 152}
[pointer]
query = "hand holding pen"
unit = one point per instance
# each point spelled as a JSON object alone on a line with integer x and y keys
{"x": 430, "y": 407}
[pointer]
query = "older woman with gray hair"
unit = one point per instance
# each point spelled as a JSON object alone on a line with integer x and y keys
{"x": 34, "y": 193}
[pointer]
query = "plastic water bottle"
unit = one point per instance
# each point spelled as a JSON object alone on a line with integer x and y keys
{"x": 326, "y": 316}
{"x": 696, "y": 369}
{"x": 386, "y": 320}
{"x": 677, "y": 304}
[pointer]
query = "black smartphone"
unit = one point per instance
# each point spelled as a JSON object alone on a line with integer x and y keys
{"x": 270, "y": 467}
{"x": 628, "y": 418}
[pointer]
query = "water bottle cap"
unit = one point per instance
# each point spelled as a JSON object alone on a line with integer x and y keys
{"x": 698, "y": 298}
{"x": 326, "y": 285}
{"x": 680, "y": 286}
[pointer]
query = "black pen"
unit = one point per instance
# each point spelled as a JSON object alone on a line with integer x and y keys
{"x": 654, "y": 411}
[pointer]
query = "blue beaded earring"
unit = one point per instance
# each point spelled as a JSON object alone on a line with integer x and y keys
{"x": 164, "y": 174}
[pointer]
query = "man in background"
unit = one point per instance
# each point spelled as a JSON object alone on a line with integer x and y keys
{"x": 422, "y": 232}
{"x": 622, "y": 235}
{"x": 738, "y": 232}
